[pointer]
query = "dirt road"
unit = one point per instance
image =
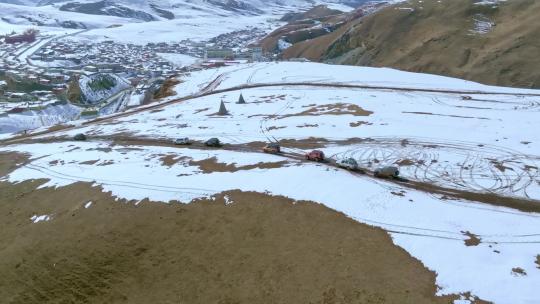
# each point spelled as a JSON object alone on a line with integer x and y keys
{"x": 211, "y": 89}
{"x": 522, "y": 204}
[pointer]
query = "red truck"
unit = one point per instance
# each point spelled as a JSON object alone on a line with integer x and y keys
{"x": 315, "y": 155}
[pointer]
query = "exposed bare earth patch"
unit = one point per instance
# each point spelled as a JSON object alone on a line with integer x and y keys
{"x": 500, "y": 166}
{"x": 212, "y": 165}
{"x": 11, "y": 161}
{"x": 359, "y": 123}
{"x": 89, "y": 162}
{"x": 106, "y": 163}
{"x": 171, "y": 160}
{"x": 518, "y": 271}
{"x": 167, "y": 89}
{"x": 272, "y": 128}
{"x": 473, "y": 239}
{"x": 106, "y": 150}
{"x": 331, "y": 109}
{"x": 308, "y": 126}
{"x": 405, "y": 162}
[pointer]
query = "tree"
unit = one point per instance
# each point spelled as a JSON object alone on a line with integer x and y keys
{"x": 222, "y": 109}
{"x": 241, "y": 99}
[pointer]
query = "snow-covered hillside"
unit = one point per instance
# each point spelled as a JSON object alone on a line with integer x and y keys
{"x": 15, "y": 16}
{"x": 33, "y": 119}
{"x": 477, "y": 143}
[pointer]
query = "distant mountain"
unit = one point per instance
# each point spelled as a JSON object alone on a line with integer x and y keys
{"x": 19, "y": 2}
{"x": 233, "y": 5}
{"x": 107, "y": 7}
{"x": 146, "y": 21}
{"x": 77, "y": 13}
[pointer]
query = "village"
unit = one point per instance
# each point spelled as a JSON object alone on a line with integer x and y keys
{"x": 37, "y": 71}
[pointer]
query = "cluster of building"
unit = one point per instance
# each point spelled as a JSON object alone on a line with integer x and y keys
{"x": 237, "y": 45}
{"x": 22, "y": 82}
{"x": 131, "y": 60}
{"x": 45, "y": 74}
{"x": 53, "y": 66}
{"x": 29, "y": 83}
{"x": 238, "y": 40}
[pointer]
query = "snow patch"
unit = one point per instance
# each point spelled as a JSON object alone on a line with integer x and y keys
{"x": 40, "y": 218}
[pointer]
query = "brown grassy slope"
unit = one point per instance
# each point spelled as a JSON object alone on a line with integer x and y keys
{"x": 167, "y": 88}
{"x": 260, "y": 249}
{"x": 74, "y": 93}
{"x": 435, "y": 38}
{"x": 315, "y": 49}
{"x": 301, "y": 25}
{"x": 316, "y": 12}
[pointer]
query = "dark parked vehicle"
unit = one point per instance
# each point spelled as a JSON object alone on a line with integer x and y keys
{"x": 315, "y": 155}
{"x": 213, "y": 142}
{"x": 79, "y": 137}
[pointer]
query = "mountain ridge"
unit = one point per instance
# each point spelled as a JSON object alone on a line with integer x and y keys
{"x": 492, "y": 43}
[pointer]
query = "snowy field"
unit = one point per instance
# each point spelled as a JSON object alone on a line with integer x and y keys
{"x": 33, "y": 119}
{"x": 430, "y": 229}
{"x": 427, "y": 134}
{"x": 195, "y": 28}
{"x": 309, "y": 72}
{"x": 18, "y": 18}
{"x": 457, "y": 137}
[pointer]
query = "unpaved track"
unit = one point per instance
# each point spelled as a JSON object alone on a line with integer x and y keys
{"x": 484, "y": 168}
{"x": 210, "y": 89}
{"x": 522, "y": 204}
{"x": 255, "y": 148}
{"x": 496, "y": 199}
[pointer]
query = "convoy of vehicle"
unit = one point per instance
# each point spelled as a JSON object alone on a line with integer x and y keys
{"x": 274, "y": 148}
{"x": 347, "y": 163}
